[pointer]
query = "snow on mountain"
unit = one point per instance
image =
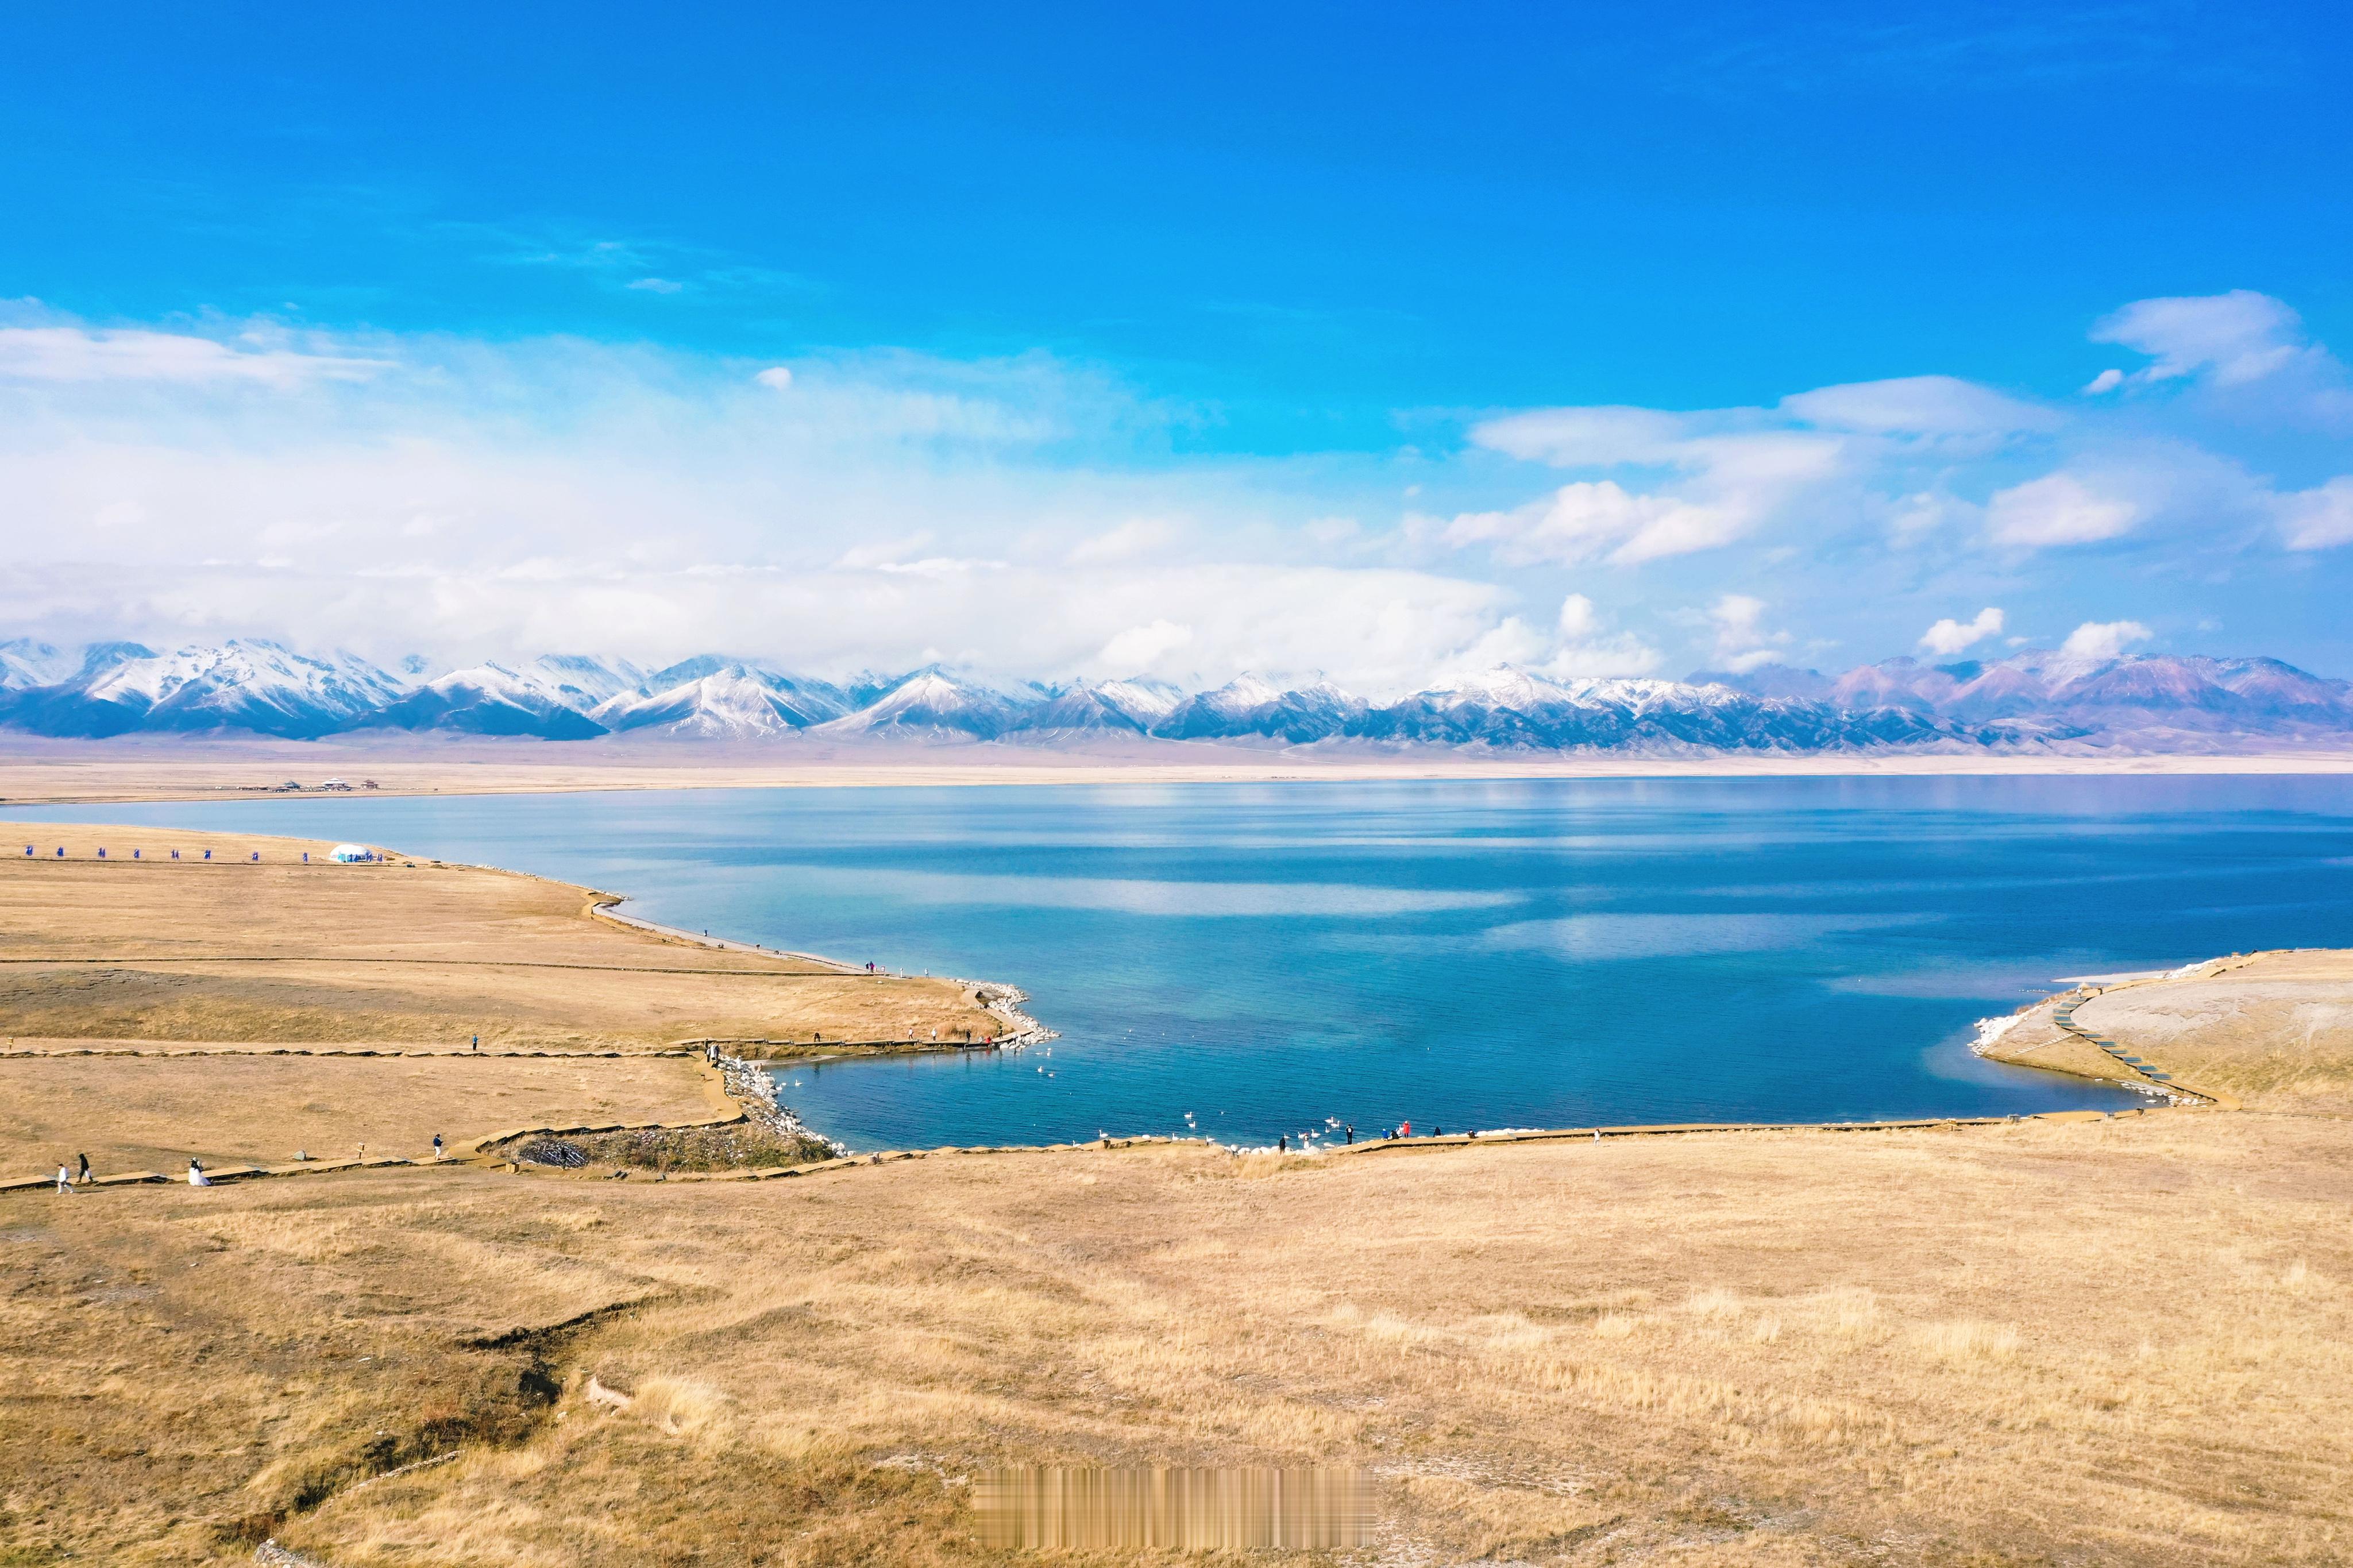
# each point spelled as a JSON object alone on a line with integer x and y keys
{"x": 24, "y": 662}
{"x": 931, "y": 702}
{"x": 1130, "y": 706}
{"x": 710, "y": 699}
{"x": 581, "y": 682}
{"x": 1250, "y": 705}
{"x": 239, "y": 685}
{"x": 2034, "y": 698}
{"x": 1510, "y": 709}
{"x": 492, "y": 699}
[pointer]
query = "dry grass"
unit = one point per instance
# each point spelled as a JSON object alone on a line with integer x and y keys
{"x": 2275, "y": 1032}
{"x": 1767, "y": 1348}
{"x": 411, "y": 954}
{"x": 154, "y": 1114}
{"x": 2112, "y": 1341}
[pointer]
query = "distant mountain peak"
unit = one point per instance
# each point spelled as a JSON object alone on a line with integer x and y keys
{"x": 2033, "y": 698}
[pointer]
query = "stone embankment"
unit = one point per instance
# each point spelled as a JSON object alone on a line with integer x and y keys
{"x": 1004, "y": 1003}
{"x": 753, "y": 1087}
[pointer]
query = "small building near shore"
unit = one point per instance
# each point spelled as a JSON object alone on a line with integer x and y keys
{"x": 352, "y": 855}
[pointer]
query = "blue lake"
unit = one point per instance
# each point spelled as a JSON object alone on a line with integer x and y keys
{"x": 1463, "y": 955}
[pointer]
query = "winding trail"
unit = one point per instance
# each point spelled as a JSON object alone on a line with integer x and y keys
{"x": 2063, "y": 1015}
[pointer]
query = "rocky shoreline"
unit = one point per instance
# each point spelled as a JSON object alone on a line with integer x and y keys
{"x": 752, "y": 1086}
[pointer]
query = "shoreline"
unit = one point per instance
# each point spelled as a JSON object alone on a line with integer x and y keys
{"x": 85, "y": 774}
{"x": 1004, "y": 1001}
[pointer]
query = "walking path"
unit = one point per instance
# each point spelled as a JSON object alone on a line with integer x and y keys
{"x": 2065, "y": 1017}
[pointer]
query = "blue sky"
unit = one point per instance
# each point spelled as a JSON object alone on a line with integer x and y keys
{"x": 1191, "y": 339}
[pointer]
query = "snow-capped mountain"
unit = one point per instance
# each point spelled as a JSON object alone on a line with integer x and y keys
{"x": 2034, "y": 699}
{"x": 582, "y": 682}
{"x": 1132, "y": 707}
{"x": 2039, "y": 695}
{"x": 1252, "y": 705}
{"x": 239, "y": 685}
{"x": 492, "y": 699}
{"x": 1507, "y": 708}
{"x": 932, "y": 703}
{"x": 708, "y": 700}
{"x": 24, "y": 662}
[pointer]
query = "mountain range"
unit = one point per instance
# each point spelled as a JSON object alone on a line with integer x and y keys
{"x": 2032, "y": 699}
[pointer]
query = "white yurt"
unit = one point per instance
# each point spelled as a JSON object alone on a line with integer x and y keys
{"x": 350, "y": 854}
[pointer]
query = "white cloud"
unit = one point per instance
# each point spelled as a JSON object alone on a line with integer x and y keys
{"x": 1137, "y": 536}
{"x": 1140, "y": 649}
{"x": 1918, "y": 405}
{"x": 1584, "y": 438}
{"x": 59, "y": 354}
{"x": 1914, "y": 518}
{"x": 2318, "y": 519}
{"x": 1728, "y": 483}
{"x": 2107, "y": 381}
{"x": 2237, "y": 337}
{"x": 1586, "y": 647}
{"x": 2058, "y": 508}
{"x": 1741, "y": 642}
{"x": 1950, "y": 637}
{"x": 2103, "y": 639}
{"x": 776, "y": 376}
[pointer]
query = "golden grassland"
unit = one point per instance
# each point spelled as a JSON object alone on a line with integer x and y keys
{"x": 2275, "y": 1030}
{"x": 2122, "y": 1341}
{"x": 405, "y": 954}
{"x": 112, "y": 770}
{"x": 149, "y": 1114}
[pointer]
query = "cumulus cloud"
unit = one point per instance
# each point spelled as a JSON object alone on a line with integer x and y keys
{"x": 2107, "y": 381}
{"x": 2318, "y": 519}
{"x": 1041, "y": 518}
{"x": 2058, "y": 508}
{"x": 2103, "y": 639}
{"x": 1742, "y": 641}
{"x": 1140, "y": 650}
{"x": 1725, "y": 483}
{"x": 1587, "y": 647}
{"x": 1950, "y": 637}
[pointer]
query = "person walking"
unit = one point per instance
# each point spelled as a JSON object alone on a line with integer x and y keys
{"x": 83, "y": 1175}
{"x": 1352, "y": 1132}
{"x": 65, "y": 1179}
{"x": 1282, "y": 1143}
{"x": 437, "y": 1145}
{"x": 478, "y": 1043}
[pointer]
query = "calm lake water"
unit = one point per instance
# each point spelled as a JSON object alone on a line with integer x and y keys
{"x": 1465, "y": 954}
